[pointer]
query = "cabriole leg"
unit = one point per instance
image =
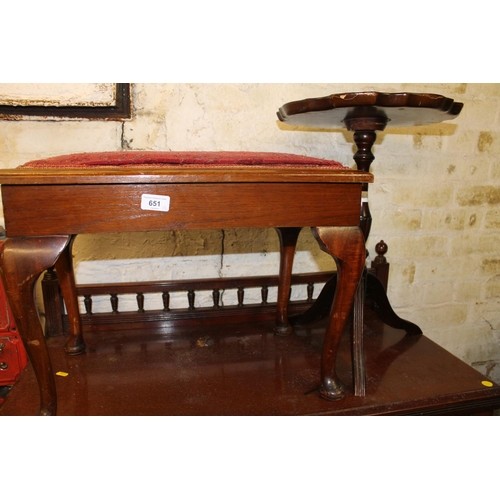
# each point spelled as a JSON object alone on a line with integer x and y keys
{"x": 22, "y": 261}
{"x": 288, "y": 242}
{"x": 66, "y": 275}
{"x": 347, "y": 247}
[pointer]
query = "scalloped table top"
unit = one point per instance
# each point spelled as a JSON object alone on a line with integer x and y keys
{"x": 374, "y": 110}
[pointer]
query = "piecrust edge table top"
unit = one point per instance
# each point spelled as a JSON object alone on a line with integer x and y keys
{"x": 398, "y": 109}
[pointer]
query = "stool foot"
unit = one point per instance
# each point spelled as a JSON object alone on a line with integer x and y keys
{"x": 48, "y": 410}
{"x": 283, "y": 331}
{"x": 74, "y": 349}
{"x": 332, "y": 389}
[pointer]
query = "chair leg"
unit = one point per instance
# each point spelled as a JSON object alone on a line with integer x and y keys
{"x": 288, "y": 242}
{"x": 347, "y": 247}
{"x": 22, "y": 261}
{"x": 65, "y": 272}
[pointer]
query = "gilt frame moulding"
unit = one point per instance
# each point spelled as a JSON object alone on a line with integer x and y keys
{"x": 65, "y": 101}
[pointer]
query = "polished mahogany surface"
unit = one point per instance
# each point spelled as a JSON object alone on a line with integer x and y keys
{"x": 45, "y": 208}
{"x": 364, "y": 109}
{"x": 93, "y": 208}
{"x": 243, "y": 369}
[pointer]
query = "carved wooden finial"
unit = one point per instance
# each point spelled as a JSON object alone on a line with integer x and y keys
{"x": 380, "y": 264}
{"x": 381, "y": 249}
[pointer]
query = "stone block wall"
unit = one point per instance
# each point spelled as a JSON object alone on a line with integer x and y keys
{"x": 435, "y": 201}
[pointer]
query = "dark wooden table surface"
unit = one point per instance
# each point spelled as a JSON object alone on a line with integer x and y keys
{"x": 243, "y": 369}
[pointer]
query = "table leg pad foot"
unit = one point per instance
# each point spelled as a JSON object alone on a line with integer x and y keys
{"x": 283, "y": 331}
{"x": 73, "y": 350}
{"x": 47, "y": 411}
{"x": 332, "y": 390}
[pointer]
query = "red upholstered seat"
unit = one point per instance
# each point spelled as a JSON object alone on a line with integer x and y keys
{"x": 190, "y": 159}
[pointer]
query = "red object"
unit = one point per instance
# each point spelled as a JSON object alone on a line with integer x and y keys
{"x": 186, "y": 159}
{"x": 13, "y": 357}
